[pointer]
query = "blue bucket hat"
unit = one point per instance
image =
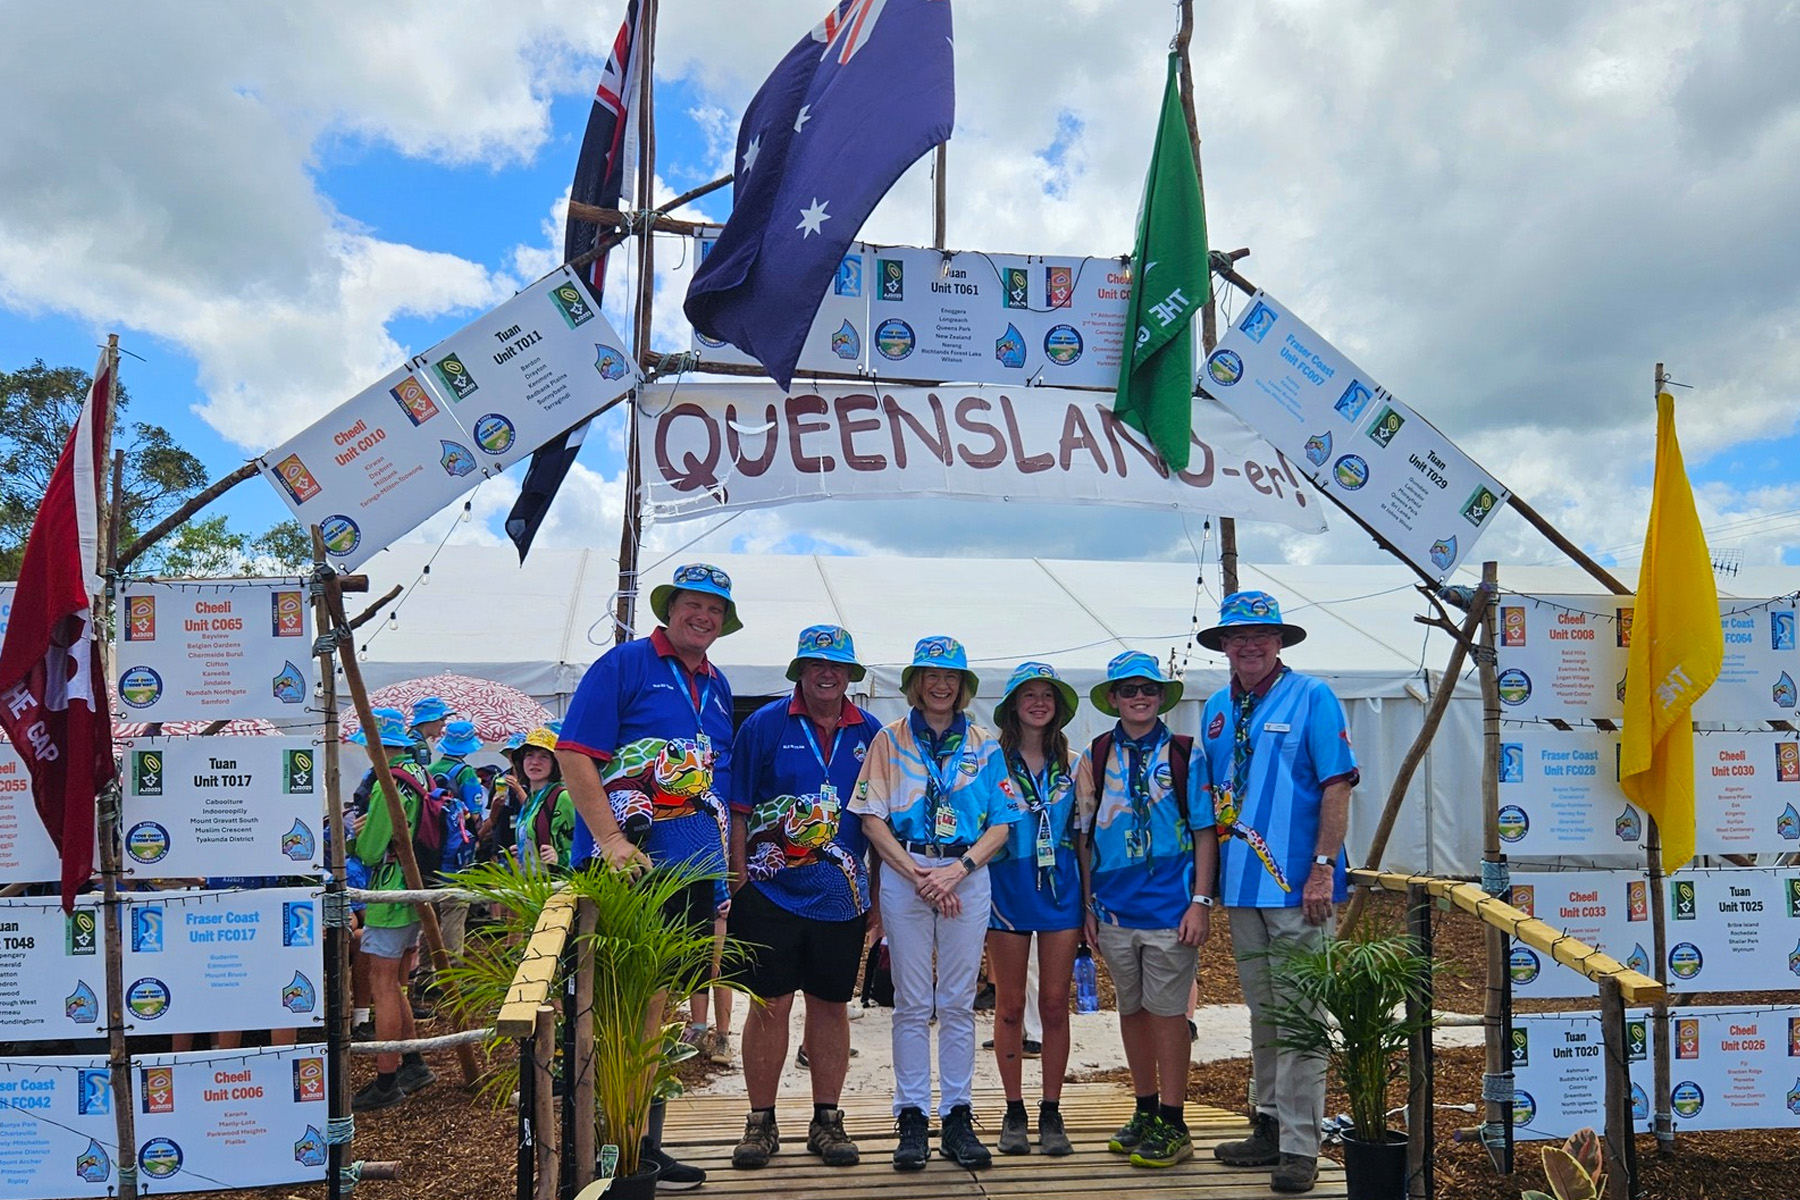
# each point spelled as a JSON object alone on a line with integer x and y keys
{"x": 1249, "y": 610}
{"x": 513, "y": 742}
{"x": 697, "y": 577}
{"x": 944, "y": 652}
{"x": 1134, "y": 664}
{"x": 430, "y": 708}
{"x": 1026, "y": 672}
{"x": 459, "y": 738}
{"x": 827, "y": 643}
{"x": 390, "y": 726}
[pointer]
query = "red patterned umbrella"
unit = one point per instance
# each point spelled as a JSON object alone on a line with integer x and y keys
{"x": 496, "y": 709}
{"x": 254, "y": 727}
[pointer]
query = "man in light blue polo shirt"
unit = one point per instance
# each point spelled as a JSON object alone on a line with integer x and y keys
{"x": 1281, "y": 771}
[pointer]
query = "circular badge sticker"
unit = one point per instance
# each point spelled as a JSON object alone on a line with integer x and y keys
{"x": 1515, "y": 686}
{"x": 1514, "y": 824}
{"x": 1062, "y": 345}
{"x": 494, "y": 433}
{"x": 1685, "y": 960}
{"x": 148, "y": 998}
{"x": 1522, "y": 965}
{"x": 340, "y": 533}
{"x": 894, "y": 339}
{"x": 1351, "y": 472}
{"x": 1524, "y": 1107}
{"x": 140, "y": 687}
{"x": 147, "y": 842}
{"x": 1687, "y": 1099}
{"x": 159, "y": 1158}
{"x": 1225, "y": 367}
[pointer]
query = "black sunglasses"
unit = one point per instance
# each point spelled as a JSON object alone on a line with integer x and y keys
{"x": 1126, "y": 691}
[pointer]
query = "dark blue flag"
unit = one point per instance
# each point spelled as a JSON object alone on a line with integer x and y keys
{"x": 854, "y": 104}
{"x": 599, "y": 180}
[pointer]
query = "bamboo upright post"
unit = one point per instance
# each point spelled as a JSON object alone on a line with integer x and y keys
{"x": 339, "y": 1002}
{"x": 1421, "y": 1093}
{"x": 1497, "y": 1007}
{"x": 587, "y": 922}
{"x": 543, "y": 1043}
{"x": 1621, "y": 1141}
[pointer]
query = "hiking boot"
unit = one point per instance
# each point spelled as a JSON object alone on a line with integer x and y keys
{"x": 1131, "y": 1133}
{"x": 1164, "y": 1145}
{"x": 718, "y": 1049}
{"x": 1052, "y": 1139}
{"x": 958, "y": 1140}
{"x": 414, "y": 1077}
{"x": 1297, "y": 1173}
{"x": 362, "y": 1031}
{"x": 1261, "y": 1149}
{"x": 826, "y": 1138}
{"x": 760, "y": 1142}
{"x": 672, "y": 1175}
{"x": 376, "y": 1096}
{"x": 915, "y": 1140}
{"x": 1015, "y": 1134}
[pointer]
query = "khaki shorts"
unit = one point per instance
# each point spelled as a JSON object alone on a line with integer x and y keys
{"x": 1150, "y": 969}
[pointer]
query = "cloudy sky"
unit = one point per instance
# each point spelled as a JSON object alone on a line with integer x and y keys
{"x": 1506, "y": 213}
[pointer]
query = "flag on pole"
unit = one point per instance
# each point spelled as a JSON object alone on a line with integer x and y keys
{"x": 861, "y": 97}
{"x": 53, "y": 705}
{"x": 607, "y": 151}
{"x": 1171, "y": 282}
{"x": 1676, "y": 650}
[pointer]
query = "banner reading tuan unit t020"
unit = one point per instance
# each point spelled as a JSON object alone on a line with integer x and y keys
{"x": 469, "y": 407}
{"x": 706, "y": 448}
{"x": 1373, "y": 454}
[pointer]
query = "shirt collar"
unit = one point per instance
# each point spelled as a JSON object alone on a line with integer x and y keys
{"x": 1149, "y": 742}
{"x": 930, "y": 738}
{"x": 848, "y": 715}
{"x": 1261, "y": 689}
{"x": 659, "y": 641}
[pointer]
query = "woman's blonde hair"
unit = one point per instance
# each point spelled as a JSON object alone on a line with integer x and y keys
{"x": 914, "y": 689}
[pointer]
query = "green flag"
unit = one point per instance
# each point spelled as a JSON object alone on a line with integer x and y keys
{"x": 1171, "y": 281}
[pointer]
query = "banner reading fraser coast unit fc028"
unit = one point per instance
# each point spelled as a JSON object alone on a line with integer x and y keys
{"x": 468, "y": 408}
{"x": 233, "y": 649}
{"x": 705, "y": 448}
{"x": 1376, "y": 456}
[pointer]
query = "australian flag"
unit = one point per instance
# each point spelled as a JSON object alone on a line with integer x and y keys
{"x": 599, "y": 180}
{"x": 854, "y": 104}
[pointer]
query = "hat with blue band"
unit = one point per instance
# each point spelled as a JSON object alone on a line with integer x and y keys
{"x": 459, "y": 738}
{"x": 1029, "y": 672}
{"x": 945, "y": 653}
{"x": 826, "y": 643}
{"x": 1249, "y": 611}
{"x": 697, "y": 577}
{"x": 430, "y": 708}
{"x": 390, "y": 728}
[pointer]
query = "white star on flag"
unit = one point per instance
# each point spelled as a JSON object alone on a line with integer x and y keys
{"x": 751, "y": 151}
{"x": 802, "y": 117}
{"x": 812, "y": 218}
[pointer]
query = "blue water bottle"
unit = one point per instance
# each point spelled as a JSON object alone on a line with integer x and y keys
{"x": 1087, "y": 984}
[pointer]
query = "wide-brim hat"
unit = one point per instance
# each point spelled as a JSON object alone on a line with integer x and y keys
{"x": 1249, "y": 610}
{"x": 945, "y": 653}
{"x": 430, "y": 708}
{"x": 540, "y": 738}
{"x": 459, "y": 738}
{"x": 826, "y": 643}
{"x": 697, "y": 577}
{"x": 390, "y": 729}
{"x": 1028, "y": 672}
{"x": 1135, "y": 664}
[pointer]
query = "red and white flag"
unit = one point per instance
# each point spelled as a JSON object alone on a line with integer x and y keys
{"x": 53, "y": 704}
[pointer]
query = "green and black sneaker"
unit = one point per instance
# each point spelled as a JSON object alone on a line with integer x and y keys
{"x": 1131, "y": 1132}
{"x": 1163, "y": 1145}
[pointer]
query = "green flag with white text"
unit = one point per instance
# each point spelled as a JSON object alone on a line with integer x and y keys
{"x": 1171, "y": 280}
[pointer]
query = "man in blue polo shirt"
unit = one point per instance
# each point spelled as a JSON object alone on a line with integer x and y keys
{"x": 648, "y": 733}
{"x": 1281, "y": 771}
{"x": 803, "y": 898}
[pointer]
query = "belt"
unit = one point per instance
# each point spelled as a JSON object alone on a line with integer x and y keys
{"x": 934, "y": 850}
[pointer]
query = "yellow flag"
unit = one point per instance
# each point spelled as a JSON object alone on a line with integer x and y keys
{"x": 1676, "y": 650}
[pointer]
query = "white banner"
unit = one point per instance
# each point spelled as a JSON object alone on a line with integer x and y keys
{"x": 1563, "y": 658}
{"x": 1735, "y": 1068}
{"x": 1733, "y": 929}
{"x": 204, "y": 1121}
{"x": 706, "y": 448}
{"x": 1380, "y": 459}
{"x": 227, "y": 649}
{"x": 1560, "y": 795}
{"x": 1559, "y": 1081}
{"x": 1609, "y": 910}
{"x": 471, "y": 406}
{"x": 27, "y": 855}
{"x": 216, "y": 806}
{"x": 194, "y": 962}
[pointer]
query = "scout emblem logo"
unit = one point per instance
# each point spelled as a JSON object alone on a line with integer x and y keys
{"x": 1521, "y": 1047}
{"x": 79, "y": 932}
{"x": 1784, "y": 692}
{"x": 1062, "y": 345}
{"x": 1524, "y": 1107}
{"x": 140, "y": 687}
{"x": 456, "y": 376}
{"x": 1637, "y": 1040}
{"x": 1514, "y": 823}
{"x": 140, "y": 618}
{"x": 1059, "y": 286}
{"x": 1009, "y": 347}
{"x": 309, "y": 1149}
{"x": 456, "y": 459}
{"x": 297, "y": 772}
{"x": 1687, "y": 1099}
{"x": 1258, "y": 321}
{"x": 1480, "y": 503}
{"x": 1687, "y": 1037}
{"x": 1512, "y": 762}
{"x": 1351, "y": 472}
{"x": 287, "y": 614}
{"x": 1443, "y": 553}
{"x": 571, "y": 304}
{"x": 296, "y": 479}
{"x": 289, "y": 685}
{"x": 1318, "y": 449}
{"x": 846, "y": 343}
{"x": 1386, "y": 427}
{"x": 1524, "y": 898}
{"x": 93, "y": 1094}
{"x": 1781, "y": 629}
{"x": 1638, "y": 960}
{"x": 1522, "y": 965}
{"x": 147, "y": 842}
{"x": 1684, "y": 905}
{"x": 93, "y": 1165}
{"x": 298, "y": 842}
{"x": 414, "y": 400}
{"x": 147, "y": 997}
{"x": 849, "y": 276}
{"x": 1787, "y": 762}
{"x": 146, "y": 773}
{"x": 1640, "y": 1103}
{"x": 1512, "y": 625}
{"x": 157, "y": 1086}
{"x": 1356, "y": 397}
{"x": 159, "y": 1158}
{"x": 1015, "y": 288}
{"x": 1793, "y": 896}
{"x": 1637, "y": 900}
{"x": 299, "y": 996}
{"x": 1515, "y": 687}
{"x": 1685, "y": 960}
{"x": 297, "y": 923}
{"x": 1622, "y": 632}
{"x": 341, "y": 534}
{"x": 891, "y": 274}
{"x": 609, "y": 361}
{"x": 147, "y": 929}
{"x": 82, "y": 1006}
{"x": 309, "y": 1079}
{"x": 894, "y": 339}
{"x": 1787, "y": 825}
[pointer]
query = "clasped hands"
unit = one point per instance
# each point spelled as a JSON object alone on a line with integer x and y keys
{"x": 937, "y": 886}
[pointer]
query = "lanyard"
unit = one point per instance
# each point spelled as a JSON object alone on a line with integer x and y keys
{"x": 812, "y": 742}
{"x": 696, "y": 696}
{"x": 1036, "y": 788}
{"x": 942, "y": 767}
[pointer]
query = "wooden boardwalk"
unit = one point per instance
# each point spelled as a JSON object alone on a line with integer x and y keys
{"x": 703, "y": 1129}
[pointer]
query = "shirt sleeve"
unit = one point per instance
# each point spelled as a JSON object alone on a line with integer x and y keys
{"x": 1087, "y": 797}
{"x": 1201, "y": 813}
{"x": 876, "y": 784}
{"x": 1004, "y": 804}
{"x": 592, "y": 723}
{"x": 1328, "y": 737}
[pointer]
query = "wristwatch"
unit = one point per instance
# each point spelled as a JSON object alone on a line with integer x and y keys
{"x": 968, "y": 864}
{"x": 1203, "y": 900}
{"x": 1324, "y": 860}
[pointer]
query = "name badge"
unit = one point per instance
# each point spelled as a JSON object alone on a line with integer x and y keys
{"x": 704, "y": 743}
{"x": 1273, "y": 727}
{"x": 1046, "y": 845}
{"x": 828, "y": 794}
{"x": 946, "y": 823}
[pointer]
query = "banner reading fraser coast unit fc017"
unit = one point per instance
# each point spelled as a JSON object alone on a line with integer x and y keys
{"x": 468, "y": 408}
{"x": 706, "y": 448}
{"x": 226, "y": 649}
{"x": 1376, "y": 456}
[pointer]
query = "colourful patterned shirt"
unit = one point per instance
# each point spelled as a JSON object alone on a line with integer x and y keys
{"x": 947, "y": 800}
{"x": 1141, "y": 858}
{"x": 1035, "y": 879}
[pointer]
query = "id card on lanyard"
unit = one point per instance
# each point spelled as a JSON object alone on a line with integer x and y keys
{"x": 1038, "y": 790}
{"x": 827, "y": 789}
{"x": 699, "y": 694}
{"x": 941, "y": 771}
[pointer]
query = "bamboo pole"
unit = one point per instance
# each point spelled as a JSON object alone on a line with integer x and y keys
{"x": 543, "y": 1104}
{"x": 401, "y": 841}
{"x": 339, "y": 1001}
{"x": 631, "y": 525}
{"x": 587, "y": 921}
{"x": 1497, "y": 997}
{"x": 1621, "y": 1141}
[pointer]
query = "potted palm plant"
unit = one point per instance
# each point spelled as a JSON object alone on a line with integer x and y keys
{"x": 645, "y": 968}
{"x": 1345, "y": 1000}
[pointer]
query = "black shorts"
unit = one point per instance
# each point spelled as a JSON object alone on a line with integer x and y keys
{"x": 785, "y": 953}
{"x": 692, "y": 908}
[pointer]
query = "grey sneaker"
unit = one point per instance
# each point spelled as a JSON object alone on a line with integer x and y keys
{"x": 1015, "y": 1134}
{"x": 1131, "y": 1133}
{"x": 760, "y": 1142}
{"x": 1053, "y": 1140}
{"x": 414, "y": 1077}
{"x": 1261, "y": 1149}
{"x": 718, "y": 1048}
{"x": 1297, "y": 1173}
{"x": 826, "y": 1138}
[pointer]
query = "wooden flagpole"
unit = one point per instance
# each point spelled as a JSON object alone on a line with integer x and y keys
{"x": 631, "y": 530}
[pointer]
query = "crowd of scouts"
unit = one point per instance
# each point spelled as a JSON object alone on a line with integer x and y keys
{"x": 949, "y": 841}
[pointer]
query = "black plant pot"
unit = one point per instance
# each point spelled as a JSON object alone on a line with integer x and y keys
{"x": 1375, "y": 1170}
{"x": 641, "y": 1186}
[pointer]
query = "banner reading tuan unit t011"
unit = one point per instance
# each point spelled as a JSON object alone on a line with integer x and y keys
{"x": 710, "y": 447}
{"x": 1373, "y": 454}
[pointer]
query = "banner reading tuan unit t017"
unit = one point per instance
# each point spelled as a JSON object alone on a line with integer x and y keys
{"x": 1378, "y": 458}
{"x": 706, "y": 448}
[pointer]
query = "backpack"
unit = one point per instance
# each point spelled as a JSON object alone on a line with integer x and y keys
{"x": 459, "y": 844}
{"x": 431, "y": 833}
{"x": 1181, "y": 751}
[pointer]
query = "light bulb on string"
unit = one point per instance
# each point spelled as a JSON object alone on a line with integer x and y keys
{"x": 467, "y": 513}
{"x": 393, "y": 620}
{"x": 425, "y": 576}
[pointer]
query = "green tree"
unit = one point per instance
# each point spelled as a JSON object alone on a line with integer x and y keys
{"x": 208, "y": 548}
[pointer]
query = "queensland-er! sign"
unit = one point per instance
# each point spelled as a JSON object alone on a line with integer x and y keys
{"x": 710, "y": 447}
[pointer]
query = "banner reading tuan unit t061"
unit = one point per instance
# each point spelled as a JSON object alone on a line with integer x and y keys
{"x": 1373, "y": 454}
{"x": 709, "y": 447}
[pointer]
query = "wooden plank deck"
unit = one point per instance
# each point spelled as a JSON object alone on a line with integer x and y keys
{"x": 703, "y": 1130}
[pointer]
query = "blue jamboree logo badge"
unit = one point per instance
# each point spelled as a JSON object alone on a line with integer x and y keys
{"x": 1515, "y": 687}
{"x": 1258, "y": 321}
{"x": 1685, "y": 960}
{"x": 148, "y": 998}
{"x": 1062, "y": 345}
{"x": 894, "y": 339}
{"x": 1523, "y": 965}
{"x": 341, "y": 534}
{"x": 1514, "y": 822}
{"x": 1524, "y": 1107}
{"x": 1687, "y": 1099}
{"x": 147, "y": 842}
{"x": 494, "y": 433}
{"x": 1351, "y": 471}
{"x": 159, "y": 1158}
{"x": 140, "y": 687}
{"x": 1226, "y": 368}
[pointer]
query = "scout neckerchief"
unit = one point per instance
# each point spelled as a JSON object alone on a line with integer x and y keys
{"x": 1039, "y": 791}
{"x": 1138, "y": 755}
{"x": 1241, "y": 747}
{"x": 941, "y": 756}
{"x": 525, "y": 832}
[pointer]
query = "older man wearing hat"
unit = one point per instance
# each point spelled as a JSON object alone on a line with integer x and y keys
{"x": 1281, "y": 770}
{"x": 803, "y": 899}
{"x": 1148, "y": 855}
{"x": 658, "y": 700}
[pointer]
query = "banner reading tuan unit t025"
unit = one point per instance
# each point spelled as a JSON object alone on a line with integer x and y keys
{"x": 710, "y": 447}
{"x": 1373, "y": 454}
{"x": 469, "y": 407}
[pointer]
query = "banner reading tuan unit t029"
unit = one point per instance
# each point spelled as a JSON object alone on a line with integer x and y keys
{"x": 469, "y": 407}
{"x": 1376, "y": 456}
{"x": 709, "y": 447}
{"x": 232, "y": 649}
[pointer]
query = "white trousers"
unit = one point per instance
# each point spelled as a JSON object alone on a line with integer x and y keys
{"x": 935, "y": 962}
